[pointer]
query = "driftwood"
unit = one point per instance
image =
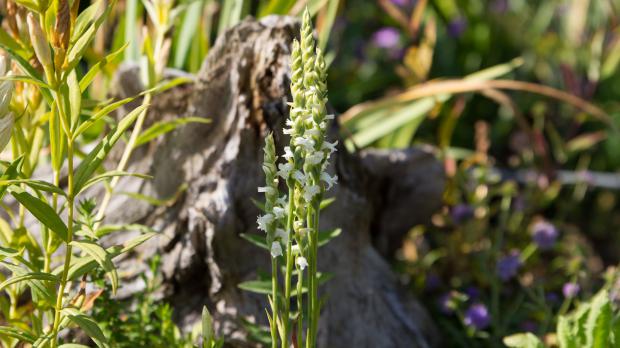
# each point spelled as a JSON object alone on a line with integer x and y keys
{"x": 243, "y": 88}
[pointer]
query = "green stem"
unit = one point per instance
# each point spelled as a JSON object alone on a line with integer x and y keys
{"x": 289, "y": 270}
{"x": 313, "y": 300}
{"x": 300, "y": 308}
{"x": 274, "y": 308}
{"x": 68, "y": 251}
{"x": 122, "y": 164}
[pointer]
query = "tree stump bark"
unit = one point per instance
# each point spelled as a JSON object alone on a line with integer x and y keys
{"x": 214, "y": 169}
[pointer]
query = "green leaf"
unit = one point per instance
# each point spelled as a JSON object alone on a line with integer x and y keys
{"x": 259, "y": 241}
{"x": 90, "y": 327}
{"x": 326, "y": 202}
{"x": 187, "y": 31}
{"x": 280, "y": 7}
{"x": 101, "y": 114}
{"x": 38, "y": 185}
{"x": 92, "y": 161}
{"x": 95, "y": 69}
{"x": 107, "y": 229}
{"x": 256, "y": 286}
{"x": 207, "y": 328}
{"x": 42, "y": 211}
{"x": 230, "y": 15}
{"x": 57, "y": 140}
{"x": 523, "y": 340}
{"x": 132, "y": 244}
{"x": 598, "y": 323}
{"x": 258, "y": 204}
{"x": 163, "y": 127}
{"x": 28, "y": 69}
{"x": 81, "y": 265}
{"x": 86, "y": 17}
{"x": 25, "y": 79}
{"x": 75, "y": 98}
{"x": 114, "y": 173}
{"x": 103, "y": 258}
{"x": 72, "y": 345}
{"x": 29, "y": 276}
{"x": 328, "y": 22}
{"x": 326, "y": 236}
{"x": 16, "y": 333}
{"x": 6, "y": 253}
{"x": 564, "y": 333}
{"x": 11, "y": 172}
{"x": 132, "y": 15}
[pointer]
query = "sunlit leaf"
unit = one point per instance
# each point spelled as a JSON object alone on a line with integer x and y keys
{"x": 42, "y": 211}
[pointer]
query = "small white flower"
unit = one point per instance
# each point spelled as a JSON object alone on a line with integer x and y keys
{"x": 329, "y": 180}
{"x": 267, "y": 189}
{"x": 279, "y": 212}
{"x": 329, "y": 146}
{"x": 299, "y": 176}
{"x": 311, "y": 191}
{"x": 285, "y": 170}
{"x": 280, "y": 233}
{"x": 288, "y": 154}
{"x": 301, "y": 262}
{"x": 276, "y": 249}
{"x": 313, "y": 132}
{"x": 303, "y": 232}
{"x": 281, "y": 200}
{"x": 288, "y": 131}
{"x": 306, "y": 143}
{"x": 329, "y": 117}
{"x": 314, "y": 158}
{"x": 296, "y": 249}
{"x": 263, "y": 221}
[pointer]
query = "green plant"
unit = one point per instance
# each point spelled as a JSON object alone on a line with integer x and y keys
{"x": 54, "y": 111}
{"x": 291, "y": 221}
{"x": 594, "y": 324}
{"x": 144, "y": 321}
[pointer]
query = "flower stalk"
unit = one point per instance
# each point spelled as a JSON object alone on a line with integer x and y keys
{"x": 296, "y": 226}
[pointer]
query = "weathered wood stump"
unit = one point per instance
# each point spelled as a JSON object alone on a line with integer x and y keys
{"x": 243, "y": 88}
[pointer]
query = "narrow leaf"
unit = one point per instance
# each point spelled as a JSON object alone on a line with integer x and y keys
{"x": 42, "y": 211}
{"x": 102, "y": 257}
{"x": 92, "y": 161}
{"x": 29, "y": 276}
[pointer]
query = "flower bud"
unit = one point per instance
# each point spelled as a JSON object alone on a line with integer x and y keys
{"x": 39, "y": 42}
{"x": 6, "y": 92}
{"x": 62, "y": 27}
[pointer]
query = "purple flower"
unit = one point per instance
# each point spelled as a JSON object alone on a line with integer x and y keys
{"x": 544, "y": 234}
{"x": 477, "y": 316}
{"x": 508, "y": 265}
{"x": 552, "y": 298}
{"x": 461, "y": 212}
{"x": 457, "y": 26}
{"x": 400, "y": 2}
{"x": 433, "y": 281}
{"x": 472, "y": 292}
{"x": 388, "y": 38}
{"x": 500, "y": 6}
{"x": 570, "y": 290}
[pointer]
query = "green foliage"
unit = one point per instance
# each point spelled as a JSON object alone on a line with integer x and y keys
{"x": 592, "y": 324}
{"x": 144, "y": 321}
